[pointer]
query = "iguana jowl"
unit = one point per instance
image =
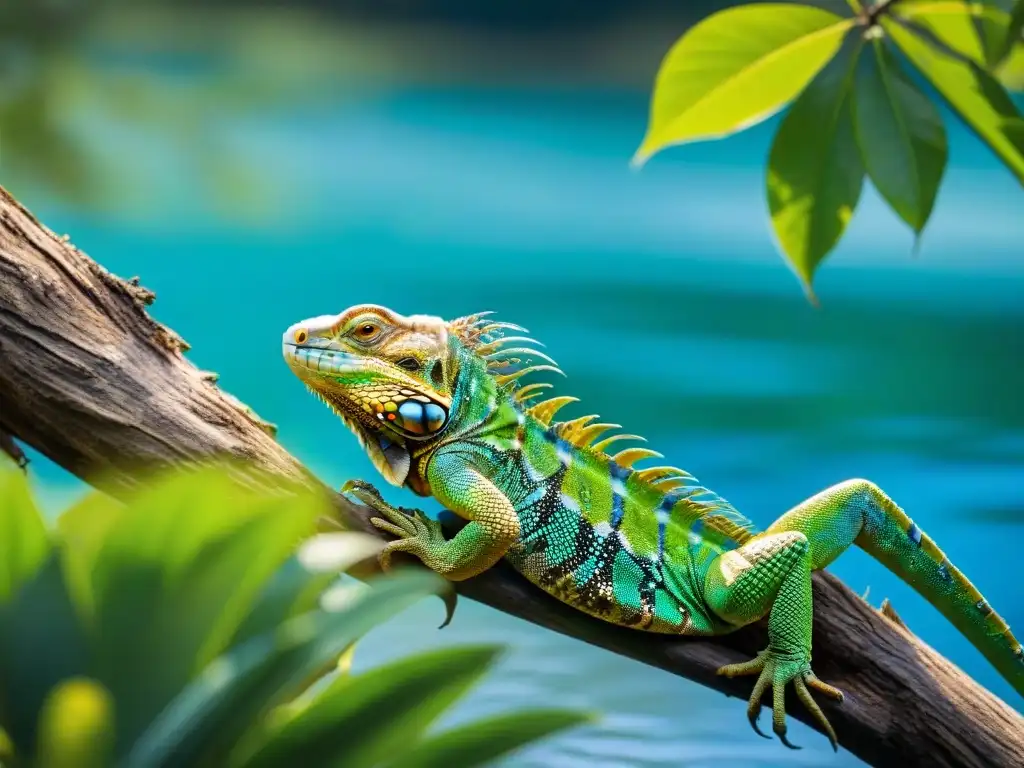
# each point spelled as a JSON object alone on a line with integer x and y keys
{"x": 441, "y": 408}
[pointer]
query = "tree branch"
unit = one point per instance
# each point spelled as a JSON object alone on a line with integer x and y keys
{"x": 91, "y": 381}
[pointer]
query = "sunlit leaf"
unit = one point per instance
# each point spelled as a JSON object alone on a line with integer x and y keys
{"x": 24, "y": 542}
{"x": 815, "y": 173}
{"x": 76, "y": 728}
{"x": 359, "y": 721}
{"x": 227, "y": 576}
{"x": 1011, "y": 72}
{"x": 175, "y": 576}
{"x": 81, "y": 529}
{"x": 976, "y": 30}
{"x": 977, "y": 98}
{"x": 209, "y": 717}
{"x": 343, "y": 666}
{"x": 483, "y": 741}
{"x": 736, "y": 68}
{"x": 901, "y": 137}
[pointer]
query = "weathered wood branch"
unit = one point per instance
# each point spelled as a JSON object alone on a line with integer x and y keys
{"x": 90, "y": 380}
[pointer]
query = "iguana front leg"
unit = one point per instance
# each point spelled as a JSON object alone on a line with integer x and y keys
{"x": 492, "y": 529}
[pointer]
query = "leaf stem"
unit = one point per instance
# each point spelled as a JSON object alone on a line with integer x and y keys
{"x": 871, "y": 16}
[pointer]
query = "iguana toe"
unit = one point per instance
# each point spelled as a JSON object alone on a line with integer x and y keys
{"x": 778, "y": 672}
{"x": 800, "y": 685}
{"x": 388, "y": 527}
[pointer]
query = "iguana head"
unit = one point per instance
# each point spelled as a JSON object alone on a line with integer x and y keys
{"x": 389, "y": 377}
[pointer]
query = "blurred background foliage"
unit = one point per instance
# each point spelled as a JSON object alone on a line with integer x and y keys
{"x": 257, "y": 163}
{"x": 182, "y": 629}
{"x": 71, "y": 67}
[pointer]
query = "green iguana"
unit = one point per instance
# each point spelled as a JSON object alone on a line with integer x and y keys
{"x": 441, "y": 408}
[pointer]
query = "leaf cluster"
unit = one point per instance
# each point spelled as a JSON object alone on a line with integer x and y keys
{"x": 204, "y": 623}
{"x": 858, "y": 110}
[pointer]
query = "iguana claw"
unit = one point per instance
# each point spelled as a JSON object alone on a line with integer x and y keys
{"x": 753, "y": 715}
{"x": 778, "y": 671}
{"x": 451, "y": 599}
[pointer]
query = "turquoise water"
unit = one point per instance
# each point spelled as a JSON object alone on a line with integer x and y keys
{"x": 661, "y": 295}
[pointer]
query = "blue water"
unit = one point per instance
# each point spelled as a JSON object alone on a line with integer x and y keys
{"x": 662, "y": 296}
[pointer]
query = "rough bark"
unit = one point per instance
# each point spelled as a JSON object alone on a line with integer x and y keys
{"x": 90, "y": 380}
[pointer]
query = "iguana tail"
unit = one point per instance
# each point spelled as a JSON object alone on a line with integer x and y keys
{"x": 925, "y": 567}
{"x": 857, "y": 511}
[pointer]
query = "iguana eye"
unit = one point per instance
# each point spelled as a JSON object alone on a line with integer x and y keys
{"x": 366, "y": 331}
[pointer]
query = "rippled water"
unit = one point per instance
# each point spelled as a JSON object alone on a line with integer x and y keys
{"x": 663, "y": 298}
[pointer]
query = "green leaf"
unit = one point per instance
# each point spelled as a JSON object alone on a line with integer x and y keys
{"x": 81, "y": 529}
{"x": 378, "y": 713}
{"x": 227, "y": 576}
{"x": 335, "y": 669}
{"x": 41, "y": 643}
{"x": 972, "y": 29}
{"x": 480, "y": 742}
{"x": 76, "y": 728}
{"x": 292, "y": 591}
{"x": 901, "y": 137}
{"x": 976, "y": 97}
{"x": 1011, "y": 71}
{"x": 208, "y": 718}
{"x": 815, "y": 173}
{"x": 175, "y": 575}
{"x": 1013, "y": 32}
{"x": 296, "y": 589}
{"x": 737, "y": 68}
{"x": 24, "y": 543}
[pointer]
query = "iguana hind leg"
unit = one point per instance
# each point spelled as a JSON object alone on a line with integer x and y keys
{"x": 824, "y": 526}
{"x": 859, "y": 512}
{"x": 771, "y": 574}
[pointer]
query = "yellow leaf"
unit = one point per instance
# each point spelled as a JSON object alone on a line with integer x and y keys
{"x": 737, "y": 68}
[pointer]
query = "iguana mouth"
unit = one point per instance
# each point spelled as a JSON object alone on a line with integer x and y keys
{"x": 321, "y": 360}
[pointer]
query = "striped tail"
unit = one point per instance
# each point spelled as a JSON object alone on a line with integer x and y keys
{"x": 896, "y": 541}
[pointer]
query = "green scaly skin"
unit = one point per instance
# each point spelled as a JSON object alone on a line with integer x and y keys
{"x": 440, "y": 408}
